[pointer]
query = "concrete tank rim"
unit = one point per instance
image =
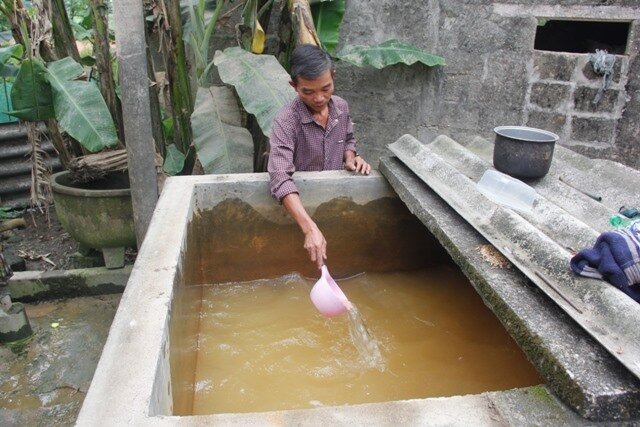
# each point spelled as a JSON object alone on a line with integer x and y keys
{"x": 59, "y": 188}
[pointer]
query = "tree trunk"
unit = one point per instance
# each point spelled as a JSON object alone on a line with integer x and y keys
{"x": 303, "y": 29}
{"x": 40, "y": 172}
{"x": 103, "y": 64}
{"x": 154, "y": 104}
{"x": 62, "y": 147}
{"x": 67, "y": 147}
{"x": 64, "y": 40}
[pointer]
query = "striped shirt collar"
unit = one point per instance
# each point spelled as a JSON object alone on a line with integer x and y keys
{"x": 307, "y": 117}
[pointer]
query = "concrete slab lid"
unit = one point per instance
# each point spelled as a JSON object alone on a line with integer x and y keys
{"x": 603, "y": 311}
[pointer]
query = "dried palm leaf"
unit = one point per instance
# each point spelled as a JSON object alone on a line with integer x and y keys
{"x": 95, "y": 166}
{"x": 40, "y": 171}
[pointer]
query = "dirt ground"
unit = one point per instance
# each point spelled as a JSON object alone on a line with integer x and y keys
{"x": 43, "y": 243}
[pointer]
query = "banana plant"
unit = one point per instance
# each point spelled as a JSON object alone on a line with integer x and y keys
{"x": 41, "y": 92}
{"x": 262, "y": 84}
{"x": 217, "y": 118}
{"x": 79, "y": 107}
{"x": 199, "y": 30}
{"x": 8, "y": 56}
{"x": 327, "y": 17}
{"x": 388, "y": 53}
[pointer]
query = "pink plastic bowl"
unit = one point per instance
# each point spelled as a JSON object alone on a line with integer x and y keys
{"x": 328, "y": 297}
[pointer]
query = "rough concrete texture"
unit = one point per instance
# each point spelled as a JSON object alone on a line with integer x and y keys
{"x": 574, "y": 366}
{"x": 42, "y": 285}
{"x": 562, "y": 84}
{"x": 132, "y": 385}
{"x": 45, "y": 381}
{"x": 606, "y": 313}
{"x": 491, "y": 66}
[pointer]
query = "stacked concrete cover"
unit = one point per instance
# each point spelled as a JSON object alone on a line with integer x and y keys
{"x": 573, "y": 364}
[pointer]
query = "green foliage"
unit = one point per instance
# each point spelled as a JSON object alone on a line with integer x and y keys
{"x": 7, "y": 55}
{"x": 9, "y": 213}
{"x": 167, "y": 128}
{"x": 79, "y": 106}
{"x": 223, "y": 146}
{"x": 261, "y": 82}
{"x": 198, "y": 32}
{"x": 174, "y": 161}
{"x": 31, "y": 93}
{"x": 81, "y": 19}
{"x": 327, "y": 17}
{"x": 388, "y": 53}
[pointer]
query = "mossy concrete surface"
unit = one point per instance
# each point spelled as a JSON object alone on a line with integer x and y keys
{"x": 575, "y": 367}
{"x": 29, "y": 286}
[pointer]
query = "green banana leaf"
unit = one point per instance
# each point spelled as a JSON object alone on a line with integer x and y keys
{"x": 261, "y": 82}
{"x": 80, "y": 108}
{"x": 173, "y": 160}
{"x": 222, "y": 145}
{"x": 6, "y": 54}
{"x": 31, "y": 96}
{"x": 388, "y": 53}
{"x": 327, "y": 17}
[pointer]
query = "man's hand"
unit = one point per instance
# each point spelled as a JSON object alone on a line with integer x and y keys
{"x": 316, "y": 245}
{"x": 356, "y": 163}
{"x": 314, "y": 241}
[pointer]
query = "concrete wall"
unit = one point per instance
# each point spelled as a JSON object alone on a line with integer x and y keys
{"x": 493, "y": 75}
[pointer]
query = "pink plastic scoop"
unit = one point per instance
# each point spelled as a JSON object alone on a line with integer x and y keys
{"x": 328, "y": 297}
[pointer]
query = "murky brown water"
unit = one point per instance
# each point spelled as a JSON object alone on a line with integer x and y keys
{"x": 235, "y": 242}
{"x": 262, "y": 346}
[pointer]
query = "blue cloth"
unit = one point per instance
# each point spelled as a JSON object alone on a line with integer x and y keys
{"x": 615, "y": 257}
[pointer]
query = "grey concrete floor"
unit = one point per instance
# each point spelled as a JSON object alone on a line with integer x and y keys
{"x": 45, "y": 382}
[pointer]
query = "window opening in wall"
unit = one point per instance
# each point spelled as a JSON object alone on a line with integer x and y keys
{"x": 581, "y": 36}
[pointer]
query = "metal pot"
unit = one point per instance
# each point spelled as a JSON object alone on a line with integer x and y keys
{"x": 523, "y": 152}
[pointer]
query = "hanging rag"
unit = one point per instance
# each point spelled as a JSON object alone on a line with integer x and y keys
{"x": 615, "y": 257}
{"x": 602, "y": 63}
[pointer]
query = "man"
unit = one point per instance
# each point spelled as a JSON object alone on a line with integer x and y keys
{"x": 313, "y": 132}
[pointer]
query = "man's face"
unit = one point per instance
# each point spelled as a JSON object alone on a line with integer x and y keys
{"x": 315, "y": 93}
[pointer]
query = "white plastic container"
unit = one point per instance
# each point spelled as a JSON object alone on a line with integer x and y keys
{"x": 507, "y": 191}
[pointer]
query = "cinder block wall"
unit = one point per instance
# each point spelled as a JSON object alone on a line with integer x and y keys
{"x": 560, "y": 98}
{"x": 493, "y": 75}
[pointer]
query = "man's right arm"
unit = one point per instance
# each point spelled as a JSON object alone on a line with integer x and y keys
{"x": 280, "y": 165}
{"x": 281, "y": 168}
{"x": 314, "y": 241}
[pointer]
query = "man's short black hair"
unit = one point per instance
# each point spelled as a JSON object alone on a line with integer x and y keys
{"x": 309, "y": 62}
